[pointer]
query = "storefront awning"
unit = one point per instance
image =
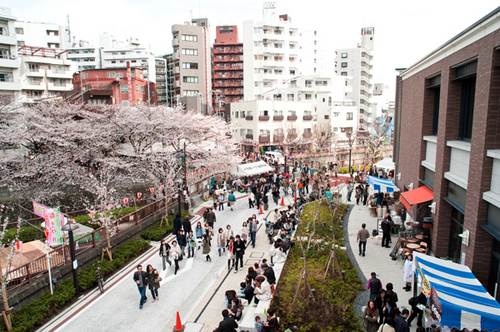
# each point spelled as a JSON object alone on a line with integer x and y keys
{"x": 416, "y": 196}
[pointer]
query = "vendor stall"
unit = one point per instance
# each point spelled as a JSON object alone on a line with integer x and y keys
{"x": 382, "y": 185}
{"x": 386, "y": 164}
{"x": 251, "y": 169}
{"x": 456, "y": 297}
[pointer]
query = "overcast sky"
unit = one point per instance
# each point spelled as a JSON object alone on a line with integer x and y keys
{"x": 404, "y": 31}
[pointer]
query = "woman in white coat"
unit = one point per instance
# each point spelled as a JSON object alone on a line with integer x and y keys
{"x": 262, "y": 290}
{"x": 408, "y": 272}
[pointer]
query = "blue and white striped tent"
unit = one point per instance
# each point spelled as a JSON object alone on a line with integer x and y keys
{"x": 465, "y": 303}
{"x": 382, "y": 185}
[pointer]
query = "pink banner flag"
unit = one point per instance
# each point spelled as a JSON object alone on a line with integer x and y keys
{"x": 139, "y": 195}
{"x": 125, "y": 201}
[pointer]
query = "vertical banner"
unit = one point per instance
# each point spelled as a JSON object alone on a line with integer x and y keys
{"x": 53, "y": 225}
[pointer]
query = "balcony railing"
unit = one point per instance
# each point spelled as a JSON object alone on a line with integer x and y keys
{"x": 308, "y": 135}
{"x": 278, "y": 138}
{"x": 278, "y": 118}
{"x": 264, "y": 139}
{"x": 249, "y": 136}
{"x": 291, "y": 118}
{"x": 307, "y": 117}
{"x": 263, "y": 117}
{"x": 249, "y": 117}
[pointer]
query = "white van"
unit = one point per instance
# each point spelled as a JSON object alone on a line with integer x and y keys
{"x": 276, "y": 156}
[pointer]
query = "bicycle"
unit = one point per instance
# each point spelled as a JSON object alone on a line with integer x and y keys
{"x": 100, "y": 279}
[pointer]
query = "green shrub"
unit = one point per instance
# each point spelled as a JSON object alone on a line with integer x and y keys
{"x": 26, "y": 234}
{"x": 157, "y": 232}
{"x": 35, "y": 313}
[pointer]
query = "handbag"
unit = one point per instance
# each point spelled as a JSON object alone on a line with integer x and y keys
{"x": 193, "y": 244}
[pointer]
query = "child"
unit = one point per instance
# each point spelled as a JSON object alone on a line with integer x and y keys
{"x": 258, "y": 324}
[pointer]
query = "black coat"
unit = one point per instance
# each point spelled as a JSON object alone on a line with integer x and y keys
{"x": 181, "y": 240}
{"x": 239, "y": 245}
{"x": 269, "y": 274}
{"x": 186, "y": 225}
{"x": 386, "y": 226}
{"x": 164, "y": 249}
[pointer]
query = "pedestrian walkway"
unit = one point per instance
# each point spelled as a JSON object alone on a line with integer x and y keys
{"x": 377, "y": 258}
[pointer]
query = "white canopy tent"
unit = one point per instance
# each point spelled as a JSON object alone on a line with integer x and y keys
{"x": 251, "y": 169}
{"x": 385, "y": 163}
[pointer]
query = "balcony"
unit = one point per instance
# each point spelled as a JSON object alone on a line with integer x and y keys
{"x": 264, "y": 139}
{"x": 307, "y": 117}
{"x": 8, "y": 39}
{"x": 278, "y": 118}
{"x": 10, "y": 86}
{"x": 278, "y": 138}
{"x": 8, "y": 62}
{"x": 263, "y": 117}
{"x": 175, "y": 42}
{"x": 307, "y": 135}
{"x": 59, "y": 74}
{"x": 39, "y": 86}
{"x": 60, "y": 86}
{"x": 177, "y": 84}
{"x": 249, "y": 118}
{"x": 35, "y": 73}
{"x": 249, "y": 136}
{"x": 291, "y": 117}
{"x": 177, "y": 70}
{"x": 292, "y": 136}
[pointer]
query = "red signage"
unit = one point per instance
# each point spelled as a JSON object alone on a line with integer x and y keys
{"x": 435, "y": 305}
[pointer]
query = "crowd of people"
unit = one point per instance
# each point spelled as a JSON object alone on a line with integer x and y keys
{"x": 382, "y": 313}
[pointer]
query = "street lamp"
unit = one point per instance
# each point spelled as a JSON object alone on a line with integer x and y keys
{"x": 348, "y": 133}
{"x": 70, "y": 227}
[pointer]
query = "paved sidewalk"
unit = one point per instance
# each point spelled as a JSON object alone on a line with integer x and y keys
{"x": 377, "y": 258}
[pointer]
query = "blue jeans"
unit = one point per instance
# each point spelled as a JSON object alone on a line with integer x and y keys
{"x": 239, "y": 256}
{"x": 349, "y": 194}
{"x": 252, "y": 238}
{"x": 142, "y": 291}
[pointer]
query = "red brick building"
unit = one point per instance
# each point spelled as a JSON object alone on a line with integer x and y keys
{"x": 116, "y": 86}
{"x": 447, "y": 138}
{"x": 228, "y": 68}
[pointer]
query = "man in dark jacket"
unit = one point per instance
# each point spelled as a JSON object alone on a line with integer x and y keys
{"x": 186, "y": 225}
{"x": 181, "y": 240}
{"x": 164, "y": 249}
{"x": 374, "y": 285}
{"x": 228, "y": 323}
{"x": 400, "y": 323}
{"x": 141, "y": 279}
{"x": 269, "y": 274}
{"x": 386, "y": 230}
{"x": 414, "y": 301}
{"x": 177, "y": 223}
{"x": 239, "y": 249}
{"x": 211, "y": 218}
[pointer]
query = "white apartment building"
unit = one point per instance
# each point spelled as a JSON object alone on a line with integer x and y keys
{"x": 275, "y": 51}
{"x": 42, "y": 34}
{"x": 9, "y": 64}
{"x": 266, "y": 123}
{"x": 113, "y": 53}
{"x": 45, "y": 73}
{"x": 355, "y": 64}
{"x": 161, "y": 80}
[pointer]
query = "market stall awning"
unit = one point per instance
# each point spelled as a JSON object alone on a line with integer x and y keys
{"x": 382, "y": 185}
{"x": 385, "y": 163}
{"x": 416, "y": 196}
{"x": 456, "y": 295}
{"x": 258, "y": 167}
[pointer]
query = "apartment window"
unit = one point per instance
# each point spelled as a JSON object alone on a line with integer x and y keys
{"x": 336, "y": 114}
{"x": 335, "y": 128}
{"x": 264, "y": 113}
{"x": 53, "y": 45}
{"x": 226, "y": 30}
{"x": 321, "y": 83}
{"x": 258, "y": 57}
{"x": 111, "y": 74}
{"x": 292, "y": 71}
{"x": 292, "y": 113}
{"x": 124, "y": 88}
{"x": 34, "y": 93}
{"x": 249, "y": 113}
{"x": 467, "y": 108}
{"x": 125, "y": 103}
{"x": 236, "y": 115}
{"x": 343, "y": 65}
{"x": 143, "y": 89}
{"x": 307, "y": 112}
{"x": 132, "y": 73}
{"x": 309, "y": 84}
{"x": 308, "y": 96}
{"x": 278, "y": 113}
{"x": 113, "y": 61}
{"x": 190, "y": 65}
{"x": 190, "y": 92}
{"x": 290, "y": 97}
{"x": 190, "y": 79}
{"x": 435, "y": 91}
{"x": 33, "y": 68}
{"x": 349, "y": 116}
{"x": 189, "y": 51}
{"x": 119, "y": 74}
{"x": 343, "y": 55}
{"x": 138, "y": 89}
{"x": 344, "y": 73}
{"x": 243, "y": 132}
{"x": 20, "y": 43}
{"x": 52, "y": 33}
{"x": 19, "y": 31}
{"x": 191, "y": 38}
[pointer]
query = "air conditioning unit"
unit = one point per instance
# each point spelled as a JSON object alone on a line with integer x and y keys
{"x": 465, "y": 237}
{"x": 410, "y": 186}
{"x": 399, "y": 176}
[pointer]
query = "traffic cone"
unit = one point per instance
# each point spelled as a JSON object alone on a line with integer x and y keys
{"x": 178, "y": 325}
{"x": 295, "y": 196}
{"x": 260, "y": 209}
{"x": 282, "y": 201}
